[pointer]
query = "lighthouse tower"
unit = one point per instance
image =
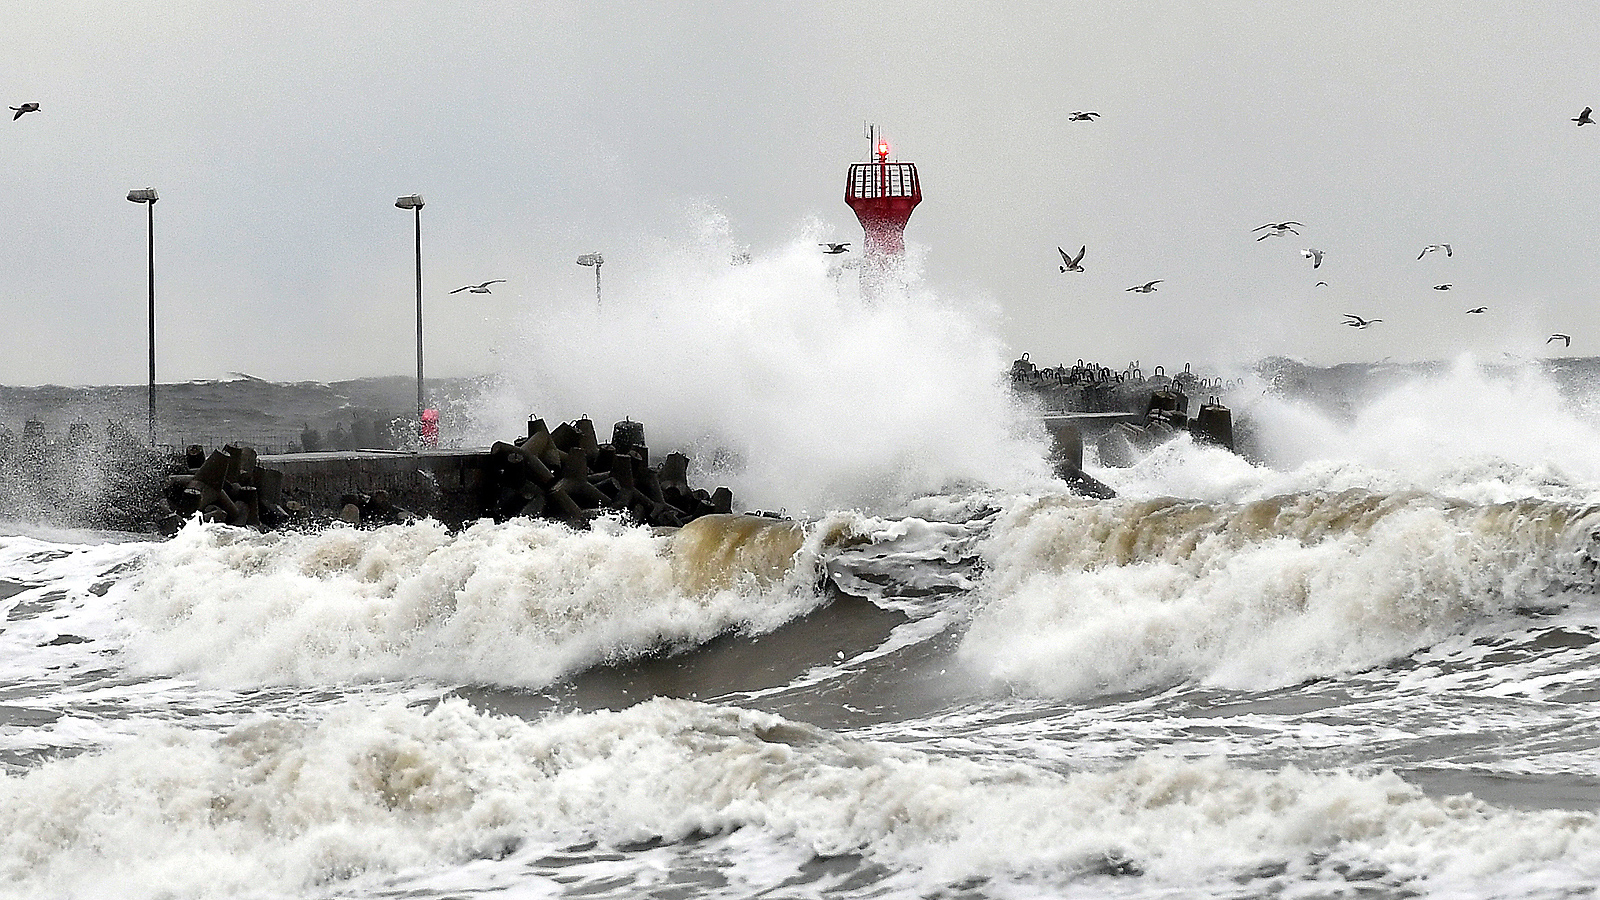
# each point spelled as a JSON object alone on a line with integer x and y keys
{"x": 883, "y": 194}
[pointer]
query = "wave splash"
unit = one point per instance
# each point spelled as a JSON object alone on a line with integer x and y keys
{"x": 782, "y": 382}
{"x": 1084, "y": 598}
{"x": 376, "y": 798}
{"x": 521, "y": 603}
{"x": 1468, "y": 429}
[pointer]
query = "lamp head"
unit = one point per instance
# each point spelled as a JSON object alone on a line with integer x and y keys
{"x": 410, "y": 201}
{"x": 147, "y": 195}
{"x": 591, "y": 259}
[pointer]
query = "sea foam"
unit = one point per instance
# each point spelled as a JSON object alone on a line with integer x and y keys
{"x": 1084, "y": 598}
{"x": 369, "y": 798}
{"x": 520, "y": 603}
{"x": 1467, "y": 430}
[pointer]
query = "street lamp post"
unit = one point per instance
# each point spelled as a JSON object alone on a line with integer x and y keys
{"x": 148, "y": 197}
{"x": 596, "y": 260}
{"x": 414, "y": 202}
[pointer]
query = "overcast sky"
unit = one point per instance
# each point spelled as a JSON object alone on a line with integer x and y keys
{"x": 279, "y": 134}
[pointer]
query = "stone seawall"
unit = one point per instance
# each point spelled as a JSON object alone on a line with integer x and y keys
{"x": 440, "y": 483}
{"x": 564, "y": 474}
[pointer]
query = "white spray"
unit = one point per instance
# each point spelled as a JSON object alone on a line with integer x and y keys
{"x": 780, "y": 381}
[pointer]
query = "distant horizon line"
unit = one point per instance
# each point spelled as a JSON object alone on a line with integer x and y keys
{"x": 244, "y": 377}
{"x": 1278, "y": 359}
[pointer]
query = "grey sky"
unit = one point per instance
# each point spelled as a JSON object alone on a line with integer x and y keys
{"x": 279, "y": 134}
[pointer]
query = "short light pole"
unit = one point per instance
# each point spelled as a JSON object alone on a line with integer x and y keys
{"x": 596, "y": 260}
{"x": 414, "y": 202}
{"x": 148, "y": 197}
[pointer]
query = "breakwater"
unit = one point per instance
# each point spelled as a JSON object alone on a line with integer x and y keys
{"x": 1086, "y": 387}
{"x": 565, "y": 474}
{"x": 1123, "y": 413}
{"x": 80, "y": 478}
{"x": 115, "y": 481}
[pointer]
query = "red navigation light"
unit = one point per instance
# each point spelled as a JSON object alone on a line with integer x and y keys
{"x": 883, "y": 149}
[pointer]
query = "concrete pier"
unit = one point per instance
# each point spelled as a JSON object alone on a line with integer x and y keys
{"x": 443, "y": 484}
{"x": 565, "y": 474}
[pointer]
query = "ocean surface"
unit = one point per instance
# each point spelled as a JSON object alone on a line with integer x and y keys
{"x": 1359, "y": 659}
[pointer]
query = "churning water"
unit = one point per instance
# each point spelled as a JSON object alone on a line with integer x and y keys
{"x": 1364, "y": 662}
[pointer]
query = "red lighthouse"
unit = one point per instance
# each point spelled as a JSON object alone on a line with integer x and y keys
{"x": 883, "y": 194}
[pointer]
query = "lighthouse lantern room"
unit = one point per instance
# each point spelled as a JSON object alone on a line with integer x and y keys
{"x": 883, "y": 194}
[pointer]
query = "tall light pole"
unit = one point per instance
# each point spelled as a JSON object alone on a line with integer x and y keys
{"x": 596, "y": 260}
{"x": 148, "y": 197}
{"x": 414, "y": 202}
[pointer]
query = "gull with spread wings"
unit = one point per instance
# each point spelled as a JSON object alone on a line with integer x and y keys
{"x": 1278, "y": 229}
{"x": 1072, "y": 263}
{"x": 479, "y": 288}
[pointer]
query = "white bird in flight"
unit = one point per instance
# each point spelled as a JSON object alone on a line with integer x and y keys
{"x": 1081, "y": 116}
{"x": 1312, "y": 254}
{"x": 1432, "y": 247}
{"x": 1147, "y": 287}
{"x": 1558, "y": 336}
{"x": 24, "y": 109}
{"x": 1442, "y": 287}
{"x": 1070, "y": 263}
{"x": 836, "y": 248}
{"x": 1582, "y": 120}
{"x": 1358, "y": 322}
{"x": 479, "y": 288}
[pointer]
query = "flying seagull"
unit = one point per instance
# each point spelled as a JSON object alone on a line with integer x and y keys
{"x": 1558, "y": 336}
{"x": 1081, "y": 116}
{"x": 1147, "y": 287}
{"x": 1072, "y": 264}
{"x": 24, "y": 108}
{"x": 1322, "y": 284}
{"x": 1432, "y": 247}
{"x": 1582, "y": 120}
{"x": 1442, "y": 287}
{"x": 1279, "y": 229}
{"x": 479, "y": 288}
{"x": 836, "y": 248}
{"x": 1312, "y": 254}
{"x": 1479, "y": 309}
{"x": 1358, "y": 322}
